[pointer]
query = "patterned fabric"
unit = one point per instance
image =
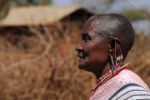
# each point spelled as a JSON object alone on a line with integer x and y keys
{"x": 122, "y": 79}
{"x": 131, "y": 92}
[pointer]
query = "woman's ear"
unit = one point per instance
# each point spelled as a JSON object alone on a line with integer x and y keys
{"x": 116, "y": 56}
{"x": 114, "y": 43}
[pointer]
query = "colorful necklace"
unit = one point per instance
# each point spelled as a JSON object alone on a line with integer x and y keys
{"x": 108, "y": 75}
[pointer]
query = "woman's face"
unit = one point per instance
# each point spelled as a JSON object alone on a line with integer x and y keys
{"x": 93, "y": 51}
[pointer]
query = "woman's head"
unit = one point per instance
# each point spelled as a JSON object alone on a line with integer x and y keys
{"x": 100, "y": 34}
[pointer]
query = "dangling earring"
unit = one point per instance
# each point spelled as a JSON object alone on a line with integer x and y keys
{"x": 119, "y": 58}
{"x": 111, "y": 55}
{"x": 112, "y": 64}
{"x": 116, "y": 58}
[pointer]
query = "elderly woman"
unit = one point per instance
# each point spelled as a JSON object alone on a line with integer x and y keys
{"x": 106, "y": 41}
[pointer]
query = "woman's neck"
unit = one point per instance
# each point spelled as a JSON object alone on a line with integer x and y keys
{"x": 105, "y": 70}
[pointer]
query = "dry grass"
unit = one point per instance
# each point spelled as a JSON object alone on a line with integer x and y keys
{"x": 43, "y": 66}
{"x": 139, "y": 57}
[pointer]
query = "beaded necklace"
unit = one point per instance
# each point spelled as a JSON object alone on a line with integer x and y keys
{"x": 108, "y": 75}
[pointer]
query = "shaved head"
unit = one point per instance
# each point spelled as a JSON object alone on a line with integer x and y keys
{"x": 113, "y": 26}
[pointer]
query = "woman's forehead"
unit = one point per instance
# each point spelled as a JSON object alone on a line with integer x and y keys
{"x": 96, "y": 26}
{"x": 93, "y": 34}
{"x": 103, "y": 25}
{"x": 88, "y": 27}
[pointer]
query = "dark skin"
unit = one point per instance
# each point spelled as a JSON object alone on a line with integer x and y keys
{"x": 94, "y": 51}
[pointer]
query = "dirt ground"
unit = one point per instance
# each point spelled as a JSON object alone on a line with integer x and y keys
{"x": 42, "y": 65}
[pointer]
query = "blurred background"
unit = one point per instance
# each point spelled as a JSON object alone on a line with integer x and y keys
{"x": 37, "y": 46}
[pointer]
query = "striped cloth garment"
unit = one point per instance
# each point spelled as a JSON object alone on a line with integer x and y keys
{"x": 126, "y": 85}
{"x": 131, "y": 92}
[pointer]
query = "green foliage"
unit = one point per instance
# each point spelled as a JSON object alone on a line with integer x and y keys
{"x": 31, "y": 2}
{"x": 44, "y": 2}
{"x": 5, "y": 5}
{"x": 4, "y": 8}
{"x": 110, "y": 1}
{"x": 135, "y": 14}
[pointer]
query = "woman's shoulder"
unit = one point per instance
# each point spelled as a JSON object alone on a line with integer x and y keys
{"x": 125, "y": 81}
{"x": 127, "y": 76}
{"x": 131, "y": 87}
{"x": 131, "y": 91}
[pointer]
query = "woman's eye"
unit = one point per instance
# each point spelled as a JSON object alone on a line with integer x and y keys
{"x": 86, "y": 38}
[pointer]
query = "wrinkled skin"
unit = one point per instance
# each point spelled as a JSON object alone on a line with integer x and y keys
{"x": 93, "y": 52}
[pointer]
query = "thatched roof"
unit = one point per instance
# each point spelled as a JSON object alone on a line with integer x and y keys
{"x": 40, "y": 15}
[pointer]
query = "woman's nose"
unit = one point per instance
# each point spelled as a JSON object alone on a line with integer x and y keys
{"x": 78, "y": 49}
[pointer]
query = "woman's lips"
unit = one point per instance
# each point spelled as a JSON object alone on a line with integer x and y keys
{"x": 83, "y": 60}
{"x": 83, "y": 55}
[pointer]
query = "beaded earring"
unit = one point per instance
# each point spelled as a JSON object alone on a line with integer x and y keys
{"x": 115, "y": 57}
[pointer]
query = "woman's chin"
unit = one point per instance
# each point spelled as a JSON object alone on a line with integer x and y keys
{"x": 83, "y": 66}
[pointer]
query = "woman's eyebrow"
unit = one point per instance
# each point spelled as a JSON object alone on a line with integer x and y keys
{"x": 85, "y": 34}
